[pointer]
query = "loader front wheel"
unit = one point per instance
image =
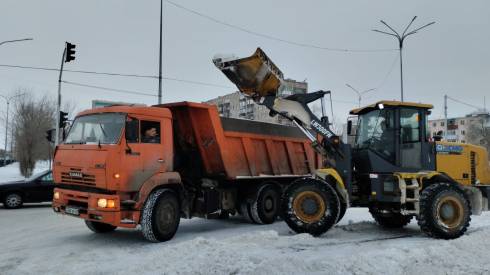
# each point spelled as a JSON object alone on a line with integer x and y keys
{"x": 310, "y": 206}
{"x": 444, "y": 211}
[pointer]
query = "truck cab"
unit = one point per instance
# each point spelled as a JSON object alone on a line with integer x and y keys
{"x": 105, "y": 159}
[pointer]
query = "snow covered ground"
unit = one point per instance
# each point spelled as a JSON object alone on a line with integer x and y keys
{"x": 35, "y": 240}
{"x": 11, "y": 172}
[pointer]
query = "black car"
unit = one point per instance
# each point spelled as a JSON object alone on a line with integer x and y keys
{"x": 38, "y": 188}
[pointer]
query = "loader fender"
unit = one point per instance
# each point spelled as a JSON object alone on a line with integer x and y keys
{"x": 170, "y": 180}
{"x": 339, "y": 182}
{"x": 427, "y": 179}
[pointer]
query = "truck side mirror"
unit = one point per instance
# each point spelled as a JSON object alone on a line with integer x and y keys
{"x": 349, "y": 127}
{"x": 131, "y": 131}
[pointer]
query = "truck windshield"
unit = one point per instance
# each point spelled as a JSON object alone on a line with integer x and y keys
{"x": 98, "y": 128}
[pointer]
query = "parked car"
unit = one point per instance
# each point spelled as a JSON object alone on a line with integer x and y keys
{"x": 37, "y": 188}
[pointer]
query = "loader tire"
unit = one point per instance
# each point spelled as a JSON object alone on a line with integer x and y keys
{"x": 266, "y": 204}
{"x": 389, "y": 220}
{"x": 444, "y": 211}
{"x": 310, "y": 206}
{"x": 99, "y": 227}
{"x": 343, "y": 209}
{"x": 161, "y": 216}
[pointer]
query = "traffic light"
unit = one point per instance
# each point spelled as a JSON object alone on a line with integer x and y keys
{"x": 70, "y": 52}
{"x": 63, "y": 119}
{"x": 50, "y": 135}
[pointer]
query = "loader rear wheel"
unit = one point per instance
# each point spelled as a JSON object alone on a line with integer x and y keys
{"x": 310, "y": 206}
{"x": 390, "y": 219}
{"x": 444, "y": 211}
{"x": 266, "y": 204}
{"x": 161, "y": 216}
{"x": 99, "y": 227}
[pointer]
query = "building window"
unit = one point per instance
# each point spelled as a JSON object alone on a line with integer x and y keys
{"x": 463, "y": 132}
{"x": 461, "y": 122}
{"x": 434, "y": 124}
{"x": 442, "y": 123}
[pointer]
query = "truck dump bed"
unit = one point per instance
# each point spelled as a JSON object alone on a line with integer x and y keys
{"x": 237, "y": 148}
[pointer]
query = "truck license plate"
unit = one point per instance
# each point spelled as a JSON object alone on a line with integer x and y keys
{"x": 72, "y": 211}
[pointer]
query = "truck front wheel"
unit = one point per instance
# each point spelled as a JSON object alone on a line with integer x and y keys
{"x": 444, "y": 211}
{"x": 310, "y": 206}
{"x": 265, "y": 207}
{"x": 99, "y": 227}
{"x": 161, "y": 216}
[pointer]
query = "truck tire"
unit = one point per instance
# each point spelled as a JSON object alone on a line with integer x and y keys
{"x": 389, "y": 220}
{"x": 99, "y": 227}
{"x": 13, "y": 201}
{"x": 310, "y": 206}
{"x": 246, "y": 212}
{"x": 161, "y": 216}
{"x": 265, "y": 206}
{"x": 444, "y": 211}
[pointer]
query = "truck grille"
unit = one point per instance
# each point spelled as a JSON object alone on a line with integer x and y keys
{"x": 77, "y": 177}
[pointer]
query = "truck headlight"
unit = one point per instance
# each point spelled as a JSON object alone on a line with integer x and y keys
{"x": 56, "y": 195}
{"x": 105, "y": 203}
{"x": 102, "y": 203}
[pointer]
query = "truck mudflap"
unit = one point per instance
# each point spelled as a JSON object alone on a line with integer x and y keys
{"x": 94, "y": 207}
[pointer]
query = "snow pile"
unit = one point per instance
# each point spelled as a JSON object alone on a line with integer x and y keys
{"x": 11, "y": 172}
{"x": 44, "y": 243}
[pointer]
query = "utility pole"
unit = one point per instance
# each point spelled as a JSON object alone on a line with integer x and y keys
{"x": 160, "y": 61}
{"x": 360, "y": 94}
{"x": 445, "y": 107}
{"x": 68, "y": 55}
{"x": 401, "y": 38}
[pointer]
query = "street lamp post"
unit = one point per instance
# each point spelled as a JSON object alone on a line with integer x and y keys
{"x": 160, "y": 57}
{"x": 8, "y": 99}
{"x": 360, "y": 94}
{"x": 401, "y": 38}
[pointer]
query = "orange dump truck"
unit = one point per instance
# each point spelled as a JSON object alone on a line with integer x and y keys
{"x": 124, "y": 166}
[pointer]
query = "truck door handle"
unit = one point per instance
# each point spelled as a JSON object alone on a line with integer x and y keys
{"x": 161, "y": 160}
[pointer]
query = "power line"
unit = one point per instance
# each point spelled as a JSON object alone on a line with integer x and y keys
{"x": 117, "y": 74}
{"x": 464, "y": 103}
{"x": 107, "y": 89}
{"x": 392, "y": 67}
{"x": 270, "y": 37}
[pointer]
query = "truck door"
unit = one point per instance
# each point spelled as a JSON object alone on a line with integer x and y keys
{"x": 152, "y": 147}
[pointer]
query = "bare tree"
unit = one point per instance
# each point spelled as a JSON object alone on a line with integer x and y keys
{"x": 478, "y": 133}
{"x": 33, "y": 117}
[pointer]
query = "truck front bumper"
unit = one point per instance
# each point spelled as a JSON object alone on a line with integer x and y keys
{"x": 84, "y": 205}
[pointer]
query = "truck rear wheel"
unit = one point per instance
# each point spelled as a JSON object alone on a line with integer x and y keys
{"x": 390, "y": 219}
{"x": 265, "y": 207}
{"x": 310, "y": 206}
{"x": 444, "y": 211}
{"x": 161, "y": 216}
{"x": 99, "y": 227}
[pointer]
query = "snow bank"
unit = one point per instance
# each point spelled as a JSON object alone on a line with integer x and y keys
{"x": 11, "y": 172}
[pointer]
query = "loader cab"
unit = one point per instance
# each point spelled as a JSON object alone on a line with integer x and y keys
{"x": 392, "y": 136}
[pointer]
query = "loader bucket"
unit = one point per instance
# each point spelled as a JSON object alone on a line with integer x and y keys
{"x": 255, "y": 76}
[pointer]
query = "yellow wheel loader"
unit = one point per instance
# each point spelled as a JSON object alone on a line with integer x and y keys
{"x": 393, "y": 168}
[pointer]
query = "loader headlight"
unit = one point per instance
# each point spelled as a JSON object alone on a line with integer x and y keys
{"x": 56, "y": 195}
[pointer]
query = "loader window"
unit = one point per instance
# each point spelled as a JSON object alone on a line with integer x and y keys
{"x": 376, "y": 131}
{"x": 410, "y": 125}
{"x": 150, "y": 131}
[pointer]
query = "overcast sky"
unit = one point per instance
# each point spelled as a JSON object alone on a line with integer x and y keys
{"x": 121, "y": 36}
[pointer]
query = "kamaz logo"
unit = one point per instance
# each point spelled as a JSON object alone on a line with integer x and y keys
{"x": 76, "y": 174}
{"x": 320, "y": 128}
